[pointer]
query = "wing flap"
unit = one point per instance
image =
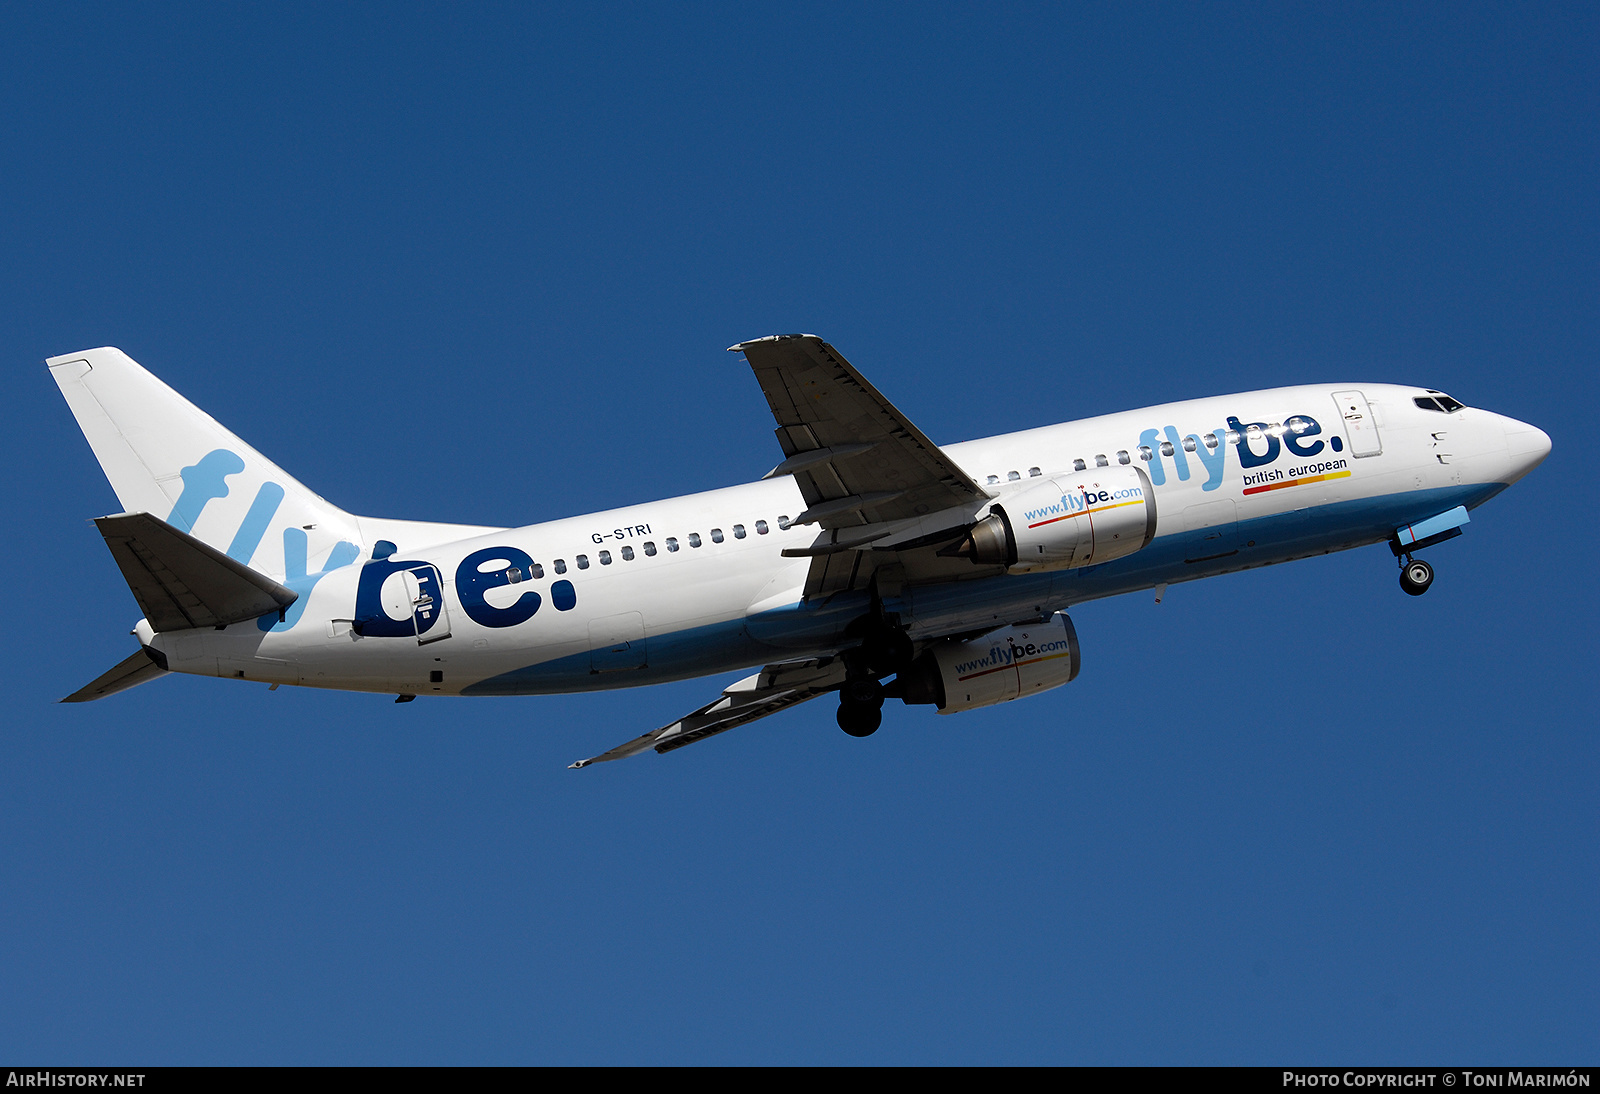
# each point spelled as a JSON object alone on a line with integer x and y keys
{"x": 181, "y": 582}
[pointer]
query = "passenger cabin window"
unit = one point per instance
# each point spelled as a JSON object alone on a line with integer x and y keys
{"x": 538, "y": 570}
{"x": 1034, "y": 472}
{"x": 1101, "y": 461}
{"x": 716, "y": 535}
{"x": 1012, "y": 476}
{"x": 605, "y": 558}
{"x": 694, "y": 539}
{"x": 649, "y": 549}
{"x": 672, "y": 544}
{"x": 738, "y": 531}
{"x": 783, "y": 523}
{"x": 1166, "y": 448}
{"x": 514, "y": 575}
{"x": 1123, "y": 457}
{"x": 1188, "y": 443}
{"x": 627, "y": 554}
{"x": 561, "y": 565}
{"x": 761, "y": 527}
{"x": 1079, "y": 465}
{"x": 991, "y": 480}
{"x": 1210, "y": 440}
{"x": 1146, "y": 453}
{"x": 583, "y": 562}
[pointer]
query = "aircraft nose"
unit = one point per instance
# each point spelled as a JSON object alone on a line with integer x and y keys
{"x": 1527, "y": 445}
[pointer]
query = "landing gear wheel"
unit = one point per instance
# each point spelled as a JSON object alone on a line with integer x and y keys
{"x": 859, "y": 719}
{"x": 865, "y": 692}
{"x": 1415, "y": 576}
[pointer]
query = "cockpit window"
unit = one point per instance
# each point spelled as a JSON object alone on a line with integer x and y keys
{"x": 1438, "y": 400}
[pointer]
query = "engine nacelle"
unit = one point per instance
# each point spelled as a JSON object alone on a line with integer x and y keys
{"x": 1067, "y": 521}
{"x": 1006, "y": 664}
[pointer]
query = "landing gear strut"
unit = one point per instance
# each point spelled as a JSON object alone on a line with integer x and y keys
{"x": 885, "y": 650}
{"x": 1415, "y": 576}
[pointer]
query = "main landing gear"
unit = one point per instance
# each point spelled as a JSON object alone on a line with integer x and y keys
{"x": 1415, "y": 576}
{"x": 885, "y": 650}
{"x": 860, "y": 707}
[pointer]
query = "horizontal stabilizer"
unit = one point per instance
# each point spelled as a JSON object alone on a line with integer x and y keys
{"x": 181, "y": 582}
{"x": 130, "y": 672}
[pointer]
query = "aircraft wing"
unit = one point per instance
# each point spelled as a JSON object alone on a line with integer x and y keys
{"x": 874, "y": 483}
{"x": 856, "y": 459}
{"x": 776, "y": 687}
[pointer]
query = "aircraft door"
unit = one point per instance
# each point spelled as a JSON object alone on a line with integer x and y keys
{"x": 428, "y": 610}
{"x": 418, "y": 593}
{"x": 616, "y": 643}
{"x": 1359, "y": 425}
{"x": 1218, "y": 525}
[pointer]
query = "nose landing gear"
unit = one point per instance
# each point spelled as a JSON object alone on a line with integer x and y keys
{"x": 1415, "y": 576}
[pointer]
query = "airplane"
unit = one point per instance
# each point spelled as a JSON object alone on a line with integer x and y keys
{"x": 870, "y": 563}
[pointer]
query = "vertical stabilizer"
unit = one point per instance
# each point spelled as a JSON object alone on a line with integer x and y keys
{"x": 167, "y": 457}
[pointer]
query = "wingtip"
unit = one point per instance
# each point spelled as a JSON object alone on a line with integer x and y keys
{"x": 739, "y": 347}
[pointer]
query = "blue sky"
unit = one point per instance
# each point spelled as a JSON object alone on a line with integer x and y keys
{"x": 480, "y": 264}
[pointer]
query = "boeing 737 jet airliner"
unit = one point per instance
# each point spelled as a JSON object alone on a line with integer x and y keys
{"x": 870, "y": 562}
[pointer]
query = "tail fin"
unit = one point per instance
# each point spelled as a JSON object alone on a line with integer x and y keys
{"x": 167, "y": 457}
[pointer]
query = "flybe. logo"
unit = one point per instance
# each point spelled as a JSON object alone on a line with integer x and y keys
{"x": 477, "y": 575}
{"x": 1258, "y": 445}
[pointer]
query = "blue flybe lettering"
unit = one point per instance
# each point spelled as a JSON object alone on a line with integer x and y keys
{"x": 297, "y": 578}
{"x": 472, "y": 583}
{"x": 256, "y": 522}
{"x": 1296, "y": 436}
{"x": 372, "y": 621}
{"x": 203, "y": 482}
{"x": 206, "y": 480}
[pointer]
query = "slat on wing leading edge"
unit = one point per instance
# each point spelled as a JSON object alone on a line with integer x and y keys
{"x": 880, "y": 468}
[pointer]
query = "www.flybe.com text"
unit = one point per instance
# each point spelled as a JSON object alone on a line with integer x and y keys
{"x": 1011, "y": 654}
{"x": 1082, "y": 502}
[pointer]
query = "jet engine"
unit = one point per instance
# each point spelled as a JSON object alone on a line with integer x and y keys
{"x": 1066, "y": 521}
{"x": 1010, "y": 663}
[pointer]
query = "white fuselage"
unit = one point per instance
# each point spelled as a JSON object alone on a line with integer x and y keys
{"x": 642, "y": 603}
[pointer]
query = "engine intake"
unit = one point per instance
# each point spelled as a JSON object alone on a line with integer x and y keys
{"x": 1067, "y": 522}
